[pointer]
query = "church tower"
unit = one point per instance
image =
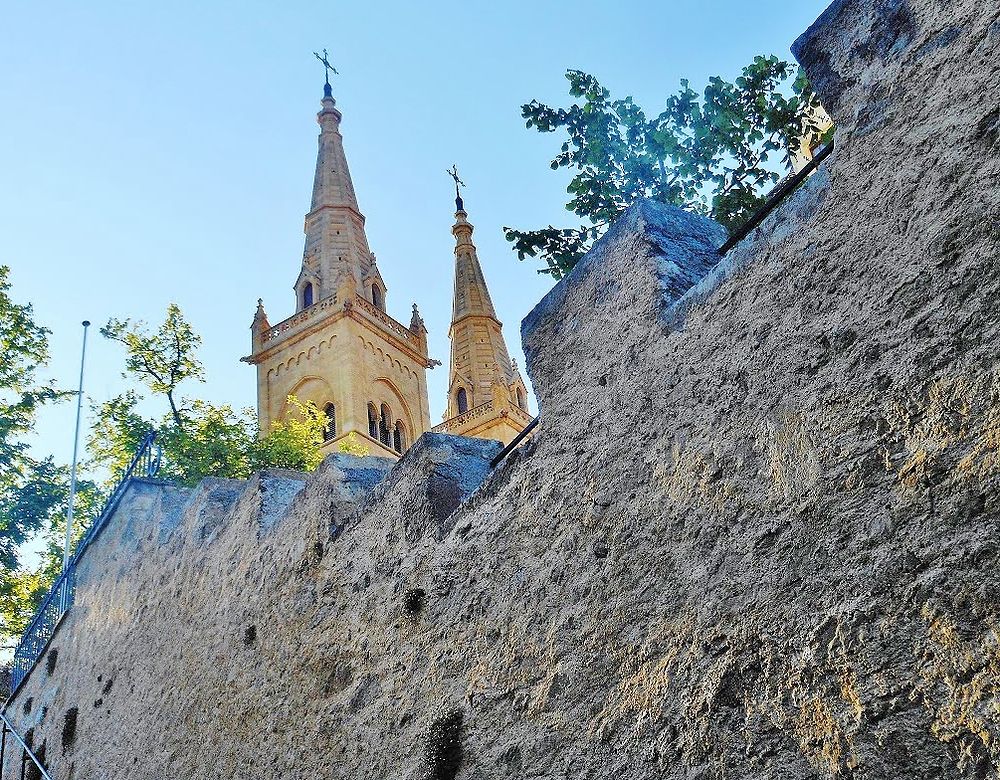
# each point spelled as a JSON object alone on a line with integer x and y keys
{"x": 341, "y": 349}
{"x": 487, "y": 397}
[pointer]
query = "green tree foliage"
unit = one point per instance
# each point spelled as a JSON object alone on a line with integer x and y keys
{"x": 352, "y": 445}
{"x": 291, "y": 444}
{"x": 713, "y": 153}
{"x": 199, "y": 439}
{"x": 24, "y": 346}
{"x": 43, "y": 497}
{"x": 160, "y": 360}
{"x": 32, "y": 492}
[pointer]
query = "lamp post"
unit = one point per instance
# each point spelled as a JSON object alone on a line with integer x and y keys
{"x": 72, "y": 478}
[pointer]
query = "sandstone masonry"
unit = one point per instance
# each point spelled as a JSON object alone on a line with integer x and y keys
{"x": 755, "y": 535}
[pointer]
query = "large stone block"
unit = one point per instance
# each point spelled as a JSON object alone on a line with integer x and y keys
{"x": 615, "y": 298}
{"x": 422, "y": 492}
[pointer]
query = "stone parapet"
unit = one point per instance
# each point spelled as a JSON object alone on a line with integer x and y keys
{"x": 379, "y": 317}
{"x": 456, "y": 423}
{"x": 301, "y": 321}
{"x": 614, "y": 298}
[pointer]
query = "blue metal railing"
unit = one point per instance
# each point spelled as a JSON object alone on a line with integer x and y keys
{"x": 145, "y": 463}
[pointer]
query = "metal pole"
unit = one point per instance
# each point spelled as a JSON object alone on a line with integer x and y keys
{"x": 76, "y": 442}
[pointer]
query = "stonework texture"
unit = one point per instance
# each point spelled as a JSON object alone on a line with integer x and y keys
{"x": 754, "y": 536}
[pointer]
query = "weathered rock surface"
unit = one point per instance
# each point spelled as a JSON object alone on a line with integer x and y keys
{"x": 755, "y": 536}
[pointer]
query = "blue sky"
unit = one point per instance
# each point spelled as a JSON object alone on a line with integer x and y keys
{"x": 163, "y": 152}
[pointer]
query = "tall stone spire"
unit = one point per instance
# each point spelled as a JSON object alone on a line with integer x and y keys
{"x": 471, "y": 296}
{"x": 482, "y": 375}
{"x": 341, "y": 349}
{"x": 336, "y": 258}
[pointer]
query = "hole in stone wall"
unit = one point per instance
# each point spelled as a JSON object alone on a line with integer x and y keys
{"x": 338, "y": 679}
{"x": 107, "y": 686}
{"x": 27, "y": 704}
{"x": 69, "y": 728}
{"x": 989, "y": 127}
{"x": 443, "y": 494}
{"x": 444, "y": 746}
{"x": 34, "y": 773}
{"x": 50, "y": 660}
{"x": 413, "y": 601}
{"x": 250, "y": 635}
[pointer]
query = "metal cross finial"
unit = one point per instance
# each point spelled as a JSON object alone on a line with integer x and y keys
{"x": 453, "y": 172}
{"x": 327, "y": 67}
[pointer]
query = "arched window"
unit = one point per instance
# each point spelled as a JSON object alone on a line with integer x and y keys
{"x": 398, "y": 437}
{"x": 378, "y": 298}
{"x": 373, "y": 421}
{"x": 307, "y": 295}
{"x": 330, "y": 429}
{"x": 385, "y": 427}
{"x": 462, "y": 399}
{"x": 520, "y": 398}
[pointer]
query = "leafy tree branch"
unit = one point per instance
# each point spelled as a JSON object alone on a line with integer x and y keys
{"x": 199, "y": 439}
{"x": 714, "y": 152}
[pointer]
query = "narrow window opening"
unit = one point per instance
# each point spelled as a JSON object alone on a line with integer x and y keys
{"x": 373, "y": 421}
{"x": 307, "y": 295}
{"x": 330, "y": 429}
{"x": 384, "y": 427}
{"x": 462, "y": 399}
{"x": 378, "y": 298}
{"x": 398, "y": 437}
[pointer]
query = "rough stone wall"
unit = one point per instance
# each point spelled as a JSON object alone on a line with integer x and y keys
{"x": 790, "y": 570}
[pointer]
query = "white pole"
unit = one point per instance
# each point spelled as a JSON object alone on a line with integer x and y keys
{"x": 76, "y": 442}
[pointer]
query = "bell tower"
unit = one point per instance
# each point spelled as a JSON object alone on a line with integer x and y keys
{"x": 341, "y": 349}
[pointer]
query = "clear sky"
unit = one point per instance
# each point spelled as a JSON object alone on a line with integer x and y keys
{"x": 164, "y": 152}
